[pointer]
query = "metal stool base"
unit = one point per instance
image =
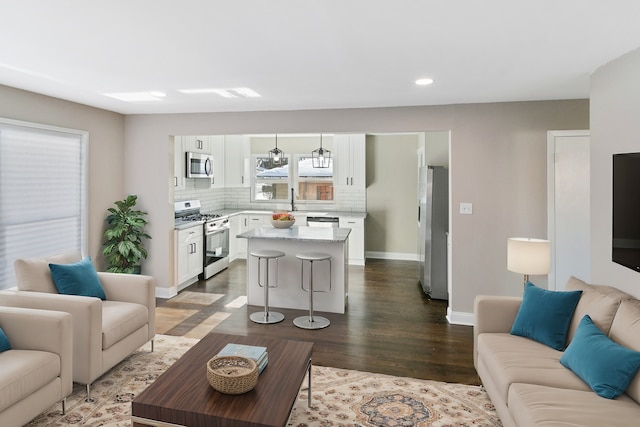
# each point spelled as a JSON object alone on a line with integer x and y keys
{"x": 272, "y": 317}
{"x": 305, "y": 322}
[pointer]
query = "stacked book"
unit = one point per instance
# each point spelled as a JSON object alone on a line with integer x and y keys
{"x": 256, "y": 353}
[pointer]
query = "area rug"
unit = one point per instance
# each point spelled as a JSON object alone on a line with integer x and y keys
{"x": 340, "y": 397}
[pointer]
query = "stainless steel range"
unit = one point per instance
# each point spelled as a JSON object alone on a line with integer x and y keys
{"x": 216, "y": 235}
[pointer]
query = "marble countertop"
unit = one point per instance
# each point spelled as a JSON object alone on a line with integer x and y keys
{"x": 298, "y": 233}
{"x": 231, "y": 212}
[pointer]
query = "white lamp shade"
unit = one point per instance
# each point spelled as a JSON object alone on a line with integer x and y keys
{"x": 528, "y": 256}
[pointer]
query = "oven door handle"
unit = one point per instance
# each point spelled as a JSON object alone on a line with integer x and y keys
{"x": 218, "y": 231}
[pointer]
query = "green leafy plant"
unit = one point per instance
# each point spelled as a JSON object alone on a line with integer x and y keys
{"x": 125, "y": 230}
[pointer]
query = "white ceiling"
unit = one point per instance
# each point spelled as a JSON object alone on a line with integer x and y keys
{"x": 311, "y": 54}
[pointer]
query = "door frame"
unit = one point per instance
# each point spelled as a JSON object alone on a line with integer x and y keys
{"x": 551, "y": 229}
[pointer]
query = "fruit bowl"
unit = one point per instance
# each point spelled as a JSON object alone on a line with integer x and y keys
{"x": 278, "y": 223}
{"x": 282, "y": 220}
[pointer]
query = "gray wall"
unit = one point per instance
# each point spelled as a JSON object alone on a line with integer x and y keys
{"x": 615, "y": 99}
{"x": 498, "y": 163}
{"x": 106, "y": 149}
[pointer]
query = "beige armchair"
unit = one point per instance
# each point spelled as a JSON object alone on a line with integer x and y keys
{"x": 104, "y": 332}
{"x": 37, "y": 372}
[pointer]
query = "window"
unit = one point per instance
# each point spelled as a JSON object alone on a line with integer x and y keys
{"x": 43, "y": 174}
{"x": 271, "y": 181}
{"x": 314, "y": 184}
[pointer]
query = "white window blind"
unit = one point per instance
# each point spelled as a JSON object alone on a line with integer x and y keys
{"x": 43, "y": 176}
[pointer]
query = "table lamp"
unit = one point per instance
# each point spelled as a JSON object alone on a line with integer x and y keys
{"x": 528, "y": 256}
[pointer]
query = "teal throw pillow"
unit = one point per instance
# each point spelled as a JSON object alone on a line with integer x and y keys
{"x": 78, "y": 278}
{"x": 4, "y": 342}
{"x": 544, "y": 315}
{"x": 602, "y": 363}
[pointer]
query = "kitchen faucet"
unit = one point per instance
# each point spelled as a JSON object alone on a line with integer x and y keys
{"x": 293, "y": 208}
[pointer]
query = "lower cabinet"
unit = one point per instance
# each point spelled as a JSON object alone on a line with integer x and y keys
{"x": 356, "y": 238}
{"x": 245, "y": 222}
{"x": 189, "y": 244}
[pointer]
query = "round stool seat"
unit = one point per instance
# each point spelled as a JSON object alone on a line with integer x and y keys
{"x": 313, "y": 256}
{"x": 267, "y": 254}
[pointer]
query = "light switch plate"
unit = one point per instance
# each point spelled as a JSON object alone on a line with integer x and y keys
{"x": 466, "y": 208}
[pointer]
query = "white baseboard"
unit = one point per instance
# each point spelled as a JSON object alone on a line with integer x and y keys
{"x": 460, "y": 318}
{"x": 392, "y": 255}
{"x": 166, "y": 293}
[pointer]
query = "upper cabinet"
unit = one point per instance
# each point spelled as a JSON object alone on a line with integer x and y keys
{"x": 197, "y": 144}
{"x": 217, "y": 151}
{"x": 350, "y": 160}
{"x": 179, "y": 162}
{"x": 237, "y": 152}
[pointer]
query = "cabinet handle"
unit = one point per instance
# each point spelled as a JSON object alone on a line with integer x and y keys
{"x": 245, "y": 222}
{"x": 242, "y": 179}
{"x": 351, "y": 180}
{"x": 175, "y": 181}
{"x": 347, "y": 180}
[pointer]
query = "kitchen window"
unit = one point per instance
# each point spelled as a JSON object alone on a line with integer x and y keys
{"x": 314, "y": 184}
{"x": 43, "y": 179}
{"x": 270, "y": 180}
{"x": 273, "y": 182}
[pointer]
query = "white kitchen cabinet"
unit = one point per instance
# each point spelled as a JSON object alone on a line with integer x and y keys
{"x": 241, "y": 244}
{"x": 179, "y": 162}
{"x": 197, "y": 144}
{"x": 234, "y": 230}
{"x": 237, "y": 156}
{"x": 356, "y": 238}
{"x": 218, "y": 152}
{"x": 248, "y": 222}
{"x": 350, "y": 160}
{"x": 189, "y": 255}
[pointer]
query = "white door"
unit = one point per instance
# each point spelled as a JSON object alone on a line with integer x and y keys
{"x": 568, "y": 206}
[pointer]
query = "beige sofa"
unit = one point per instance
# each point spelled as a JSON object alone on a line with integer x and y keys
{"x": 525, "y": 379}
{"x": 36, "y": 373}
{"x": 104, "y": 332}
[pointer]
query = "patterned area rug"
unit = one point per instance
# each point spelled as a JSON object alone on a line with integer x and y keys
{"x": 340, "y": 397}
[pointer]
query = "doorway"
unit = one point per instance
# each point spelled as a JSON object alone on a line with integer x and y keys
{"x": 568, "y": 204}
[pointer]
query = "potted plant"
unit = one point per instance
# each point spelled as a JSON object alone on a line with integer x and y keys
{"x": 125, "y": 230}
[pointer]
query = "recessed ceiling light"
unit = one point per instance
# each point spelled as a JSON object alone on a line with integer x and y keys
{"x": 424, "y": 82}
{"x": 137, "y": 96}
{"x": 244, "y": 92}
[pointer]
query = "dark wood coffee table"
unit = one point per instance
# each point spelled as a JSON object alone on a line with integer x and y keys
{"x": 182, "y": 396}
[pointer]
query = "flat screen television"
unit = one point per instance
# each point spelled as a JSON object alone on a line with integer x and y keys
{"x": 625, "y": 246}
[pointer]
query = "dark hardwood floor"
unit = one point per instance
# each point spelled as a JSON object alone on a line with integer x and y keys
{"x": 389, "y": 327}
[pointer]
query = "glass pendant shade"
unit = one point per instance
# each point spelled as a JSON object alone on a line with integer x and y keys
{"x": 321, "y": 157}
{"x": 276, "y": 155}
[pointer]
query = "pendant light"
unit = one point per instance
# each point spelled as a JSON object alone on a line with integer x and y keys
{"x": 276, "y": 155}
{"x": 321, "y": 157}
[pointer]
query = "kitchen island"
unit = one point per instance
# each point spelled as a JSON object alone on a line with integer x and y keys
{"x": 292, "y": 241}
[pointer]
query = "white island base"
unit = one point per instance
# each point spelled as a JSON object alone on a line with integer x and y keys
{"x": 292, "y": 241}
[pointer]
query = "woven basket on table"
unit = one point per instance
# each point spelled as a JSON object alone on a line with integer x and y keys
{"x": 232, "y": 374}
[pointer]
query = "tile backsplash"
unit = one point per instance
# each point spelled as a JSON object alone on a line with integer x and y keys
{"x": 217, "y": 199}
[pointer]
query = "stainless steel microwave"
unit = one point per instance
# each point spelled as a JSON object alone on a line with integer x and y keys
{"x": 199, "y": 165}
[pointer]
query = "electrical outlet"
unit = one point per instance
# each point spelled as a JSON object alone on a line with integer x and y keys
{"x": 466, "y": 208}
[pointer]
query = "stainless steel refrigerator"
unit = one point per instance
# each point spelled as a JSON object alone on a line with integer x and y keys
{"x": 433, "y": 225}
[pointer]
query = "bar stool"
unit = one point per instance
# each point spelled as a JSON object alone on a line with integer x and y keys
{"x": 266, "y": 316}
{"x": 312, "y": 322}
